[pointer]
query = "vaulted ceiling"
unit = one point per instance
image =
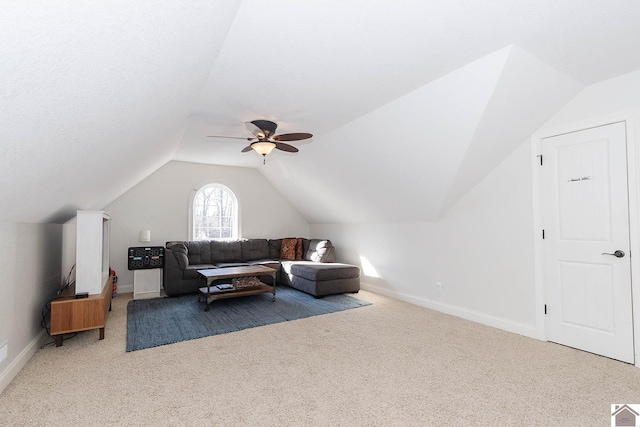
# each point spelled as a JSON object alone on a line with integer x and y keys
{"x": 411, "y": 103}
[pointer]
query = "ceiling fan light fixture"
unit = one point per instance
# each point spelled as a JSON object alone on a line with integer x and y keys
{"x": 263, "y": 147}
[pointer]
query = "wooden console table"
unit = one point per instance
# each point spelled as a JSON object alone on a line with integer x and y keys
{"x": 71, "y": 314}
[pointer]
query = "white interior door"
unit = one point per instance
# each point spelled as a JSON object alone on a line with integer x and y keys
{"x": 586, "y": 217}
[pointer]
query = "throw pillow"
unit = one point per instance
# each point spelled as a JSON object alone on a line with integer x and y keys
{"x": 180, "y": 252}
{"x": 288, "y": 249}
{"x": 298, "y": 249}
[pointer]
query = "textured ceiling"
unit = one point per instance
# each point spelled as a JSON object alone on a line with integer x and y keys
{"x": 414, "y": 99}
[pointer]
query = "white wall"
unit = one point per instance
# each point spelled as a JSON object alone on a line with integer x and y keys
{"x": 69, "y": 235}
{"x": 30, "y": 260}
{"x": 608, "y": 97}
{"x": 160, "y": 203}
{"x": 481, "y": 251}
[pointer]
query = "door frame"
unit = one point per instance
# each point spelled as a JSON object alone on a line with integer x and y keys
{"x": 632, "y": 127}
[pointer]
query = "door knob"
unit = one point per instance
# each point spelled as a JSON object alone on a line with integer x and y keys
{"x": 617, "y": 254}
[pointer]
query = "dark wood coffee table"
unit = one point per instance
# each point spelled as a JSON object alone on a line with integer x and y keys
{"x": 212, "y": 293}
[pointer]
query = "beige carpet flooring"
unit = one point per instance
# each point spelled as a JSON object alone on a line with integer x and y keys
{"x": 388, "y": 364}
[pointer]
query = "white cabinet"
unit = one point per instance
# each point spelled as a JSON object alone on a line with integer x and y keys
{"x": 92, "y": 251}
{"x": 146, "y": 283}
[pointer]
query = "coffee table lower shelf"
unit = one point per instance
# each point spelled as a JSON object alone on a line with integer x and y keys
{"x": 212, "y": 293}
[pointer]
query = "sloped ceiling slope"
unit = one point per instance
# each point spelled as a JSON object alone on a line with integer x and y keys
{"x": 410, "y": 102}
{"x": 406, "y": 160}
{"x": 95, "y": 96}
{"x": 527, "y": 94}
{"x": 316, "y": 66}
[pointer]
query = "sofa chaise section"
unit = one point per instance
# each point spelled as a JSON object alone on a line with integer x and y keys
{"x": 320, "y": 279}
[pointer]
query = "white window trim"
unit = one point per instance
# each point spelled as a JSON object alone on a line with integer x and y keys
{"x": 214, "y": 183}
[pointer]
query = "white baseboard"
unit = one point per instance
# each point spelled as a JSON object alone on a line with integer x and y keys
{"x": 146, "y": 295}
{"x": 475, "y": 316}
{"x": 18, "y": 363}
{"x": 125, "y": 289}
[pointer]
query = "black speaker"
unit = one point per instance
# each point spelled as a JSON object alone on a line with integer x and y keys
{"x": 143, "y": 257}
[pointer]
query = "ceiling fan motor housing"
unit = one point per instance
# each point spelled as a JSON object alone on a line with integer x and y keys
{"x": 267, "y": 126}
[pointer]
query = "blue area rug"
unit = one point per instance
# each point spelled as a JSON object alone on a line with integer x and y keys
{"x": 160, "y": 321}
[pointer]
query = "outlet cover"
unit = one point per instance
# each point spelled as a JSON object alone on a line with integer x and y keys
{"x": 3, "y": 351}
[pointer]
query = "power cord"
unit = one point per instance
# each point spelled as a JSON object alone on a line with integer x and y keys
{"x": 67, "y": 280}
{"x": 45, "y": 323}
{"x": 66, "y": 337}
{"x": 46, "y": 315}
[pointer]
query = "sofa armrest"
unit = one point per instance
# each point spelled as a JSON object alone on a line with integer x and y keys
{"x": 320, "y": 251}
{"x": 172, "y": 273}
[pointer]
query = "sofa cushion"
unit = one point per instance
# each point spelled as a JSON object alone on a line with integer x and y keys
{"x": 231, "y": 264}
{"x": 199, "y": 252}
{"x": 191, "y": 272}
{"x": 288, "y": 249}
{"x": 320, "y": 251}
{"x": 225, "y": 251}
{"x": 253, "y": 249}
{"x": 275, "y": 264}
{"x": 274, "y": 248}
{"x": 305, "y": 247}
{"x": 325, "y": 287}
{"x": 319, "y": 272}
{"x": 180, "y": 252}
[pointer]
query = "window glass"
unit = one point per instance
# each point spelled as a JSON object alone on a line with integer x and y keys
{"x": 215, "y": 213}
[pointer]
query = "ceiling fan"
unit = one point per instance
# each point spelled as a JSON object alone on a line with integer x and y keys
{"x": 264, "y": 139}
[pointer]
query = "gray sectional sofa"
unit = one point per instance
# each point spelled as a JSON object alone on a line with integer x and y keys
{"x": 316, "y": 273}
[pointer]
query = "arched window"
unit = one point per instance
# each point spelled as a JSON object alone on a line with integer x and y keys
{"x": 214, "y": 213}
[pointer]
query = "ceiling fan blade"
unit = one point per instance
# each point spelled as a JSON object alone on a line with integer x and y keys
{"x": 286, "y": 147}
{"x": 292, "y": 136}
{"x": 230, "y": 137}
{"x": 247, "y": 149}
{"x": 254, "y": 130}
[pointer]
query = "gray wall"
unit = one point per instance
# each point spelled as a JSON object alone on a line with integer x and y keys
{"x": 160, "y": 203}
{"x": 30, "y": 260}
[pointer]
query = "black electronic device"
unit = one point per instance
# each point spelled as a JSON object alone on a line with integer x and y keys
{"x": 144, "y": 257}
